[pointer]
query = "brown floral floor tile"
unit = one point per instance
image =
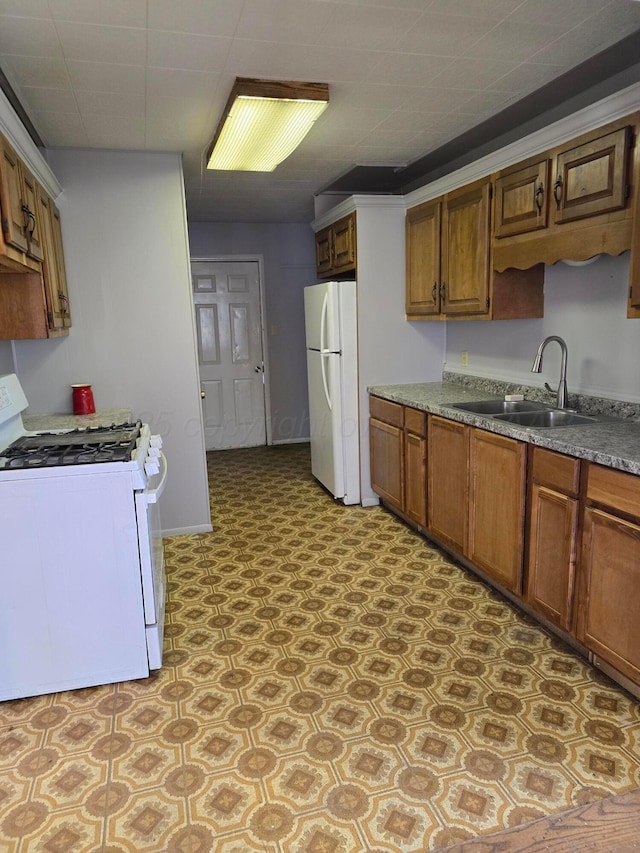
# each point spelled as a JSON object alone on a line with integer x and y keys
{"x": 331, "y": 682}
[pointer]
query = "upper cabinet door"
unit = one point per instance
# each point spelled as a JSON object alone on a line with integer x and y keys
{"x": 14, "y": 230}
{"x": 521, "y": 199}
{"x": 34, "y": 225}
{"x": 423, "y": 259}
{"x": 592, "y": 178}
{"x": 465, "y": 249}
{"x": 344, "y": 244}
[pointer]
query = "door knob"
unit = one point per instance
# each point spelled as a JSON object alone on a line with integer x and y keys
{"x": 258, "y": 369}
{"x": 203, "y": 394}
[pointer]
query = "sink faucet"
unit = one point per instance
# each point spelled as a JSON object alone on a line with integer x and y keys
{"x": 536, "y": 367}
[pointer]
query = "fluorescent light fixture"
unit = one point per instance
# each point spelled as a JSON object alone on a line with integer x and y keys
{"x": 263, "y": 122}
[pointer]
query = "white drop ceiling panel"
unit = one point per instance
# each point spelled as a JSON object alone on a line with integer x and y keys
{"x": 405, "y": 76}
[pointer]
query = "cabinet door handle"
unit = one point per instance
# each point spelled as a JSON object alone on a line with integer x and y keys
{"x": 539, "y": 196}
{"x": 434, "y": 292}
{"x": 557, "y": 191}
{"x": 64, "y": 302}
{"x": 29, "y": 220}
{"x": 443, "y": 291}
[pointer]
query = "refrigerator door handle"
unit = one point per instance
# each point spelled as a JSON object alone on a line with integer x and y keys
{"x": 323, "y": 368}
{"x": 323, "y": 323}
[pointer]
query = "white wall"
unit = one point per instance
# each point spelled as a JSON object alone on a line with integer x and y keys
{"x": 391, "y": 350}
{"x": 288, "y": 251}
{"x": 587, "y": 307}
{"x": 127, "y": 257}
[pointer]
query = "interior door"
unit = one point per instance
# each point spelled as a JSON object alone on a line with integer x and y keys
{"x": 226, "y": 297}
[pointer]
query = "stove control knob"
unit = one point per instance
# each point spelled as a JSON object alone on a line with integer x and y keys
{"x": 151, "y": 467}
{"x": 156, "y": 441}
{"x": 153, "y": 452}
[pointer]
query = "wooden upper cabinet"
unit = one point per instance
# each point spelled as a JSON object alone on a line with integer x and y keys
{"x": 592, "y": 178}
{"x": 34, "y": 225}
{"x": 323, "y": 251}
{"x": 465, "y": 249}
{"x": 53, "y": 268}
{"x": 423, "y": 258}
{"x": 521, "y": 199}
{"x": 14, "y": 225}
{"x": 336, "y": 248}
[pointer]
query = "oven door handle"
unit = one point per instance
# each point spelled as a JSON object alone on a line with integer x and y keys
{"x": 152, "y": 495}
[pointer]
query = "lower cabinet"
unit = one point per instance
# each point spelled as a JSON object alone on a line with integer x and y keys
{"x": 398, "y": 448}
{"x": 552, "y": 535}
{"x": 386, "y": 424}
{"x": 447, "y": 482}
{"x": 497, "y": 480}
{"x": 609, "y": 590}
{"x": 415, "y": 465}
{"x": 484, "y": 496}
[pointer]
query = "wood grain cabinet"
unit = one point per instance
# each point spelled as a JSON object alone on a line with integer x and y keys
{"x": 608, "y": 600}
{"x": 448, "y": 262}
{"x": 21, "y": 241}
{"x": 522, "y": 198}
{"x": 336, "y": 248}
{"x": 570, "y": 202}
{"x": 415, "y": 465}
{"x": 447, "y": 482}
{"x": 398, "y": 447}
{"x": 386, "y": 448}
{"x": 554, "y": 483}
{"x": 497, "y": 481}
{"x": 34, "y": 301}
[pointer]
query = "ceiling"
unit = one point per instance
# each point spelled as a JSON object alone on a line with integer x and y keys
{"x": 405, "y": 77}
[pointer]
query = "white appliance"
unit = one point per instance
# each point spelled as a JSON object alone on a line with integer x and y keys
{"x": 82, "y": 580}
{"x": 332, "y": 370}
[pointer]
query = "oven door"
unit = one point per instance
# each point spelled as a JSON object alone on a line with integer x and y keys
{"x": 152, "y": 561}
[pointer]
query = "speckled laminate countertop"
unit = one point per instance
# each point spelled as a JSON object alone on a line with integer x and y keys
{"x": 103, "y": 417}
{"x": 614, "y": 442}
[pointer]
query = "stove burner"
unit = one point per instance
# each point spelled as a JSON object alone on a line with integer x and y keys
{"x": 114, "y": 443}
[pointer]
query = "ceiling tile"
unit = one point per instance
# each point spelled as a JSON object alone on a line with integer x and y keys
{"x": 527, "y": 78}
{"x": 180, "y": 83}
{"x": 111, "y": 103}
{"x": 61, "y": 129}
{"x": 484, "y": 104}
{"x": 283, "y": 20}
{"x": 473, "y": 73}
{"x": 435, "y": 100}
{"x": 118, "y": 13}
{"x": 443, "y": 35}
{"x": 370, "y": 29}
{"x": 367, "y": 95}
{"x": 494, "y": 10}
{"x": 25, "y": 8}
{"x": 39, "y": 98}
{"x": 401, "y": 69}
{"x": 107, "y": 77}
{"x": 299, "y": 62}
{"x": 114, "y": 131}
{"x": 36, "y": 71}
{"x": 569, "y": 13}
{"x": 195, "y": 16}
{"x": 189, "y": 52}
{"x": 102, "y": 44}
{"x": 514, "y": 41}
{"x": 30, "y": 36}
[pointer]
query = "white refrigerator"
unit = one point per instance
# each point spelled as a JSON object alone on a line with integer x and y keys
{"x": 332, "y": 370}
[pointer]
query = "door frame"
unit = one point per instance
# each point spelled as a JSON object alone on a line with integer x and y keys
{"x": 259, "y": 259}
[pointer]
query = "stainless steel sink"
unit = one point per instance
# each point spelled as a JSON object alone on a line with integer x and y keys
{"x": 546, "y": 420}
{"x": 500, "y": 407}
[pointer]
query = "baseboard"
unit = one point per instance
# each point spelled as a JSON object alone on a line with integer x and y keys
{"x": 187, "y": 531}
{"x": 291, "y": 441}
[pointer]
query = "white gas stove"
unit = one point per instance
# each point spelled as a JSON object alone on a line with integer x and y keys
{"x": 82, "y": 569}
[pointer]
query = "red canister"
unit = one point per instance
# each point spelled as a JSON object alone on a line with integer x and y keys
{"x": 82, "y": 396}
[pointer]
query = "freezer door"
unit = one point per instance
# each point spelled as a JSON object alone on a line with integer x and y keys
{"x": 322, "y": 317}
{"x": 325, "y": 420}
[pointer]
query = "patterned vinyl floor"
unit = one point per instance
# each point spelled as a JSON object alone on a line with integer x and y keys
{"x": 332, "y": 684}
